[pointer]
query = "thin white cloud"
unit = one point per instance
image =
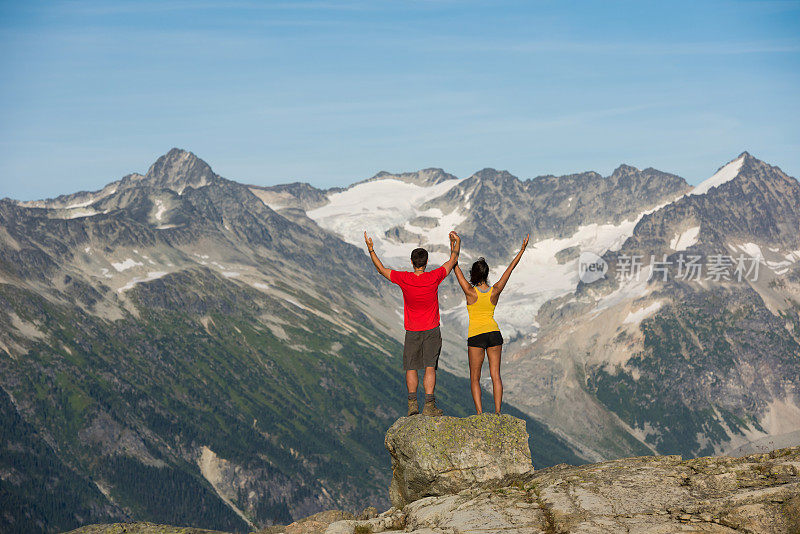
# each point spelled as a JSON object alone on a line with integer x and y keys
{"x": 120, "y": 7}
{"x": 623, "y": 48}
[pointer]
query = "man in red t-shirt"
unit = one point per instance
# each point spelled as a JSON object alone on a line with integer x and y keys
{"x": 423, "y": 342}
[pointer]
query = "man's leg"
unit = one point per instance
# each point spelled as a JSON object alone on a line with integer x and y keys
{"x": 412, "y": 358}
{"x": 431, "y": 348}
{"x": 429, "y": 380}
{"x": 412, "y": 381}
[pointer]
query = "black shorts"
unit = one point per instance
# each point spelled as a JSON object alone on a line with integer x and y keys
{"x": 422, "y": 349}
{"x": 485, "y": 340}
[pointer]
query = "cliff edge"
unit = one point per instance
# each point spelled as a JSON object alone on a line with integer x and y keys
{"x": 474, "y": 475}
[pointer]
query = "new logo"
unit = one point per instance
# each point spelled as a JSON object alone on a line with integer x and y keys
{"x": 591, "y": 267}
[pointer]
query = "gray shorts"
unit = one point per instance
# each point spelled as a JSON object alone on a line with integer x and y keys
{"x": 422, "y": 349}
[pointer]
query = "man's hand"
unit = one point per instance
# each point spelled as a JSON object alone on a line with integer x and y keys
{"x": 455, "y": 248}
{"x": 455, "y": 242}
{"x": 386, "y": 273}
{"x": 525, "y": 243}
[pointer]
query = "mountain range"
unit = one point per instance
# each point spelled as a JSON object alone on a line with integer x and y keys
{"x": 182, "y": 348}
{"x": 172, "y": 349}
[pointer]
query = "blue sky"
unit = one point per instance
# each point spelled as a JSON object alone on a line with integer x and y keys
{"x": 331, "y": 92}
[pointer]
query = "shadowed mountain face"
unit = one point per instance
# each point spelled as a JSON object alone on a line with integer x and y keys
{"x": 172, "y": 349}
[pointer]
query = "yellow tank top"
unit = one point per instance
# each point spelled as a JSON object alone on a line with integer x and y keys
{"x": 481, "y": 315}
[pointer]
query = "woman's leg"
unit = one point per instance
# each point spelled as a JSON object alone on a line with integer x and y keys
{"x": 494, "y": 370}
{"x": 475, "y": 355}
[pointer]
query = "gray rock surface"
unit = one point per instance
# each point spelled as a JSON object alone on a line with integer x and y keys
{"x": 140, "y": 527}
{"x": 444, "y": 455}
{"x": 317, "y": 523}
{"x": 661, "y": 494}
{"x": 758, "y": 494}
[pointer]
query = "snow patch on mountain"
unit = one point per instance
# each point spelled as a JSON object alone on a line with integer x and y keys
{"x": 105, "y": 192}
{"x": 75, "y": 213}
{"x": 725, "y": 174}
{"x": 685, "y": 239}
{"x": 153, "y": 275}
{"x": 539, "y": 277}
{"x": 376, "y": 207}
{"x": 160, "y": 209}
{"x": 636, "y": 317}
{"x": 126, "y": 264}
{"x": 629, "y": 289}
{"x": 439, "y": 234}
{"x": 751, "y": 249}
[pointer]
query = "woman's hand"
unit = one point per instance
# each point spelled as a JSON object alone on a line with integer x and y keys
{"x": 524, "y": 243}
{"x": 455, "y": 242}
{"x": 368, "y": 241}
{"x": 501, "y": 284}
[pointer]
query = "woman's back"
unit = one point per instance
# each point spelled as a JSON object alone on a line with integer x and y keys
{"x": 481, "y": 314}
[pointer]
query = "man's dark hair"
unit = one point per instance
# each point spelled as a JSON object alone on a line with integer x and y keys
{"x": 479, "y": 272}
{"x": 419, "y": 258}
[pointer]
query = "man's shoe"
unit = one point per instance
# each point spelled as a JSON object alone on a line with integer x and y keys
{"x": 413, "y": 407}
{"x": 431, "y": 410}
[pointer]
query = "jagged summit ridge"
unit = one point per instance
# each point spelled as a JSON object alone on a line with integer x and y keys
{"x": 423, "y": 177}
{"x": 178, "y": 169}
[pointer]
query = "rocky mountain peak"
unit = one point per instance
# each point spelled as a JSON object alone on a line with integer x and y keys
{"x": 179, "y": 169}
{"x": 493, "y": 175}
{"x": 424, "y": 177}
{"x": 624, "y": 169}
{"x": 749, "y": 172}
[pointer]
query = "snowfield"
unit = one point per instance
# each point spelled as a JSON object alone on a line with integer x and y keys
{"x": 725, "y": 174}
{"x": 127, "y": 264}
{"x": 685, "y": 240}
{"x": 378, "y": 206}
{"x": 153, "y": 275}
{"x": 636, "y": 317}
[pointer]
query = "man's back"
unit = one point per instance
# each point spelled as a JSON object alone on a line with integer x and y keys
{"x": 420, "y": 297}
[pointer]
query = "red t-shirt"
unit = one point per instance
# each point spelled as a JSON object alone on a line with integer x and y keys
{"x": 420, "y": 297}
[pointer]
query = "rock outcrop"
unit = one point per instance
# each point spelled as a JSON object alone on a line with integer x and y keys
{"x": 475, "y": 472}
{"x": 140, "y": 528}
{"x": 443, "y": 455}
{"x": 755, "y": 494}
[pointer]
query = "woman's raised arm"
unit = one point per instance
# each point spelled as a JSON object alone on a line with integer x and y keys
{"x": 462, "y": 281}
{"x": 501, "y": 284}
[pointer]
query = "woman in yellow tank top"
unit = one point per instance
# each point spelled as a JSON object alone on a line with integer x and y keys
{"x": 483, "y": 334}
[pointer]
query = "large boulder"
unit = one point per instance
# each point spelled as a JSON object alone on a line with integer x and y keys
{"x": 443, "y": 455}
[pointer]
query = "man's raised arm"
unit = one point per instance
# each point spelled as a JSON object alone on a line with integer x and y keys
{"x": 375, "y": 260}
{"x": 455, "y": 249}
